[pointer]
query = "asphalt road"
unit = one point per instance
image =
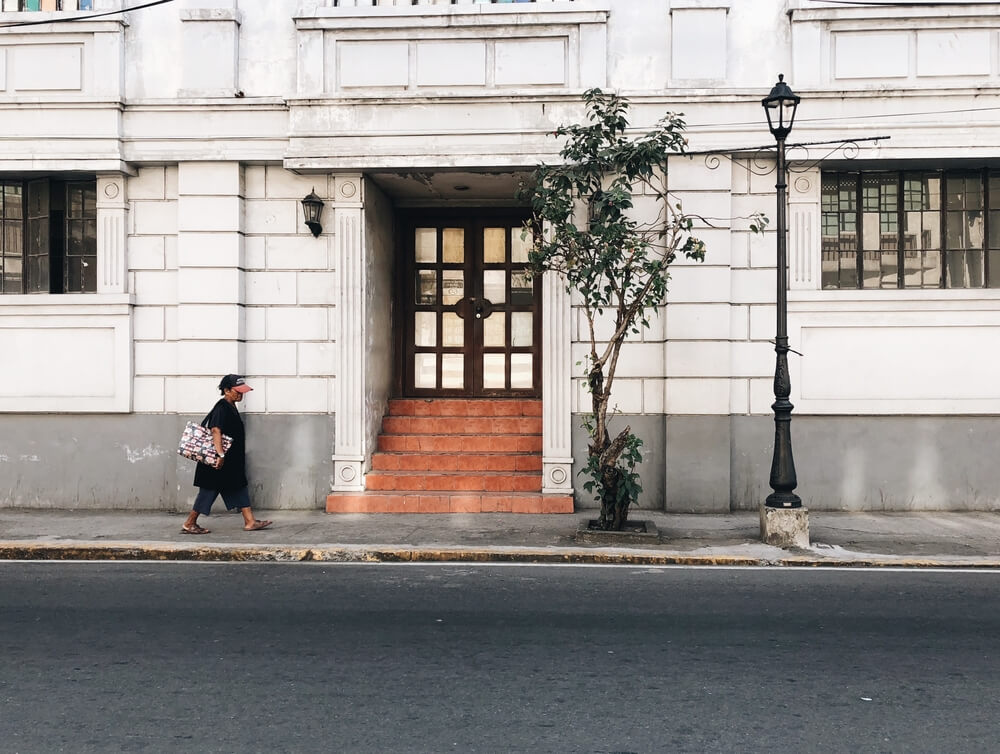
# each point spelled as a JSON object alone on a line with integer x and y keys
{"x": 144, "y": 657}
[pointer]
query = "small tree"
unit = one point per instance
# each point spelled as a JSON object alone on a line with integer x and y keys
{"x": 616, "y": 260}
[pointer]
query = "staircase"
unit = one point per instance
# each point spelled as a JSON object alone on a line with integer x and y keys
{"x": 456, "y": 456}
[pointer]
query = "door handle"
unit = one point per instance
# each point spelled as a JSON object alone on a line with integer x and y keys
{"x": 482, "y": 307}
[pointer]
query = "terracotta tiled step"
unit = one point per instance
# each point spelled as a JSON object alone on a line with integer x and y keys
{"x": 453, "y": 481}
{"x": 456, "y": 462}
{"x": 461, "y": 443}
{"x": 459, "y": 407}
{"x": 456, "y": 456}
{"x": 461, "y": 425}
{"x": 428, "y": 502}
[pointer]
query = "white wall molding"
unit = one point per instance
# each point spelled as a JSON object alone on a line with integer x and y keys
{"x": 68, "y": 353}
{"x": 804, "y": 239}
{"x": 350, "y": 449}
{"x": 433, "y": 46}
{"x": 112, "y": 234}
{"x": 557, "y": 387}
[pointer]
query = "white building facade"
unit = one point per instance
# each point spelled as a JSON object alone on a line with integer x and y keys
{"x": 153, "y": 164}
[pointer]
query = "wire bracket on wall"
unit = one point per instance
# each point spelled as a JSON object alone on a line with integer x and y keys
{"x": 761, "y": 162}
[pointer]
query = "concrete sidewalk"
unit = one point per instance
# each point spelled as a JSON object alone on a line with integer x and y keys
{"x": 837, "y": 539}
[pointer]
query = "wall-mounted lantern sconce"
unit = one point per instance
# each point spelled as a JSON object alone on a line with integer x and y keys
{"x": 312, "y": 208}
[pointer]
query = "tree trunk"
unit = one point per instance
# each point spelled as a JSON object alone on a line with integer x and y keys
{"x": 614, "y": 497}
{"x": 614, "y": 503}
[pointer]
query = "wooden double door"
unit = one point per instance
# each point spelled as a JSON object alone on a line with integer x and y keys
{"x": 471, "y": 311}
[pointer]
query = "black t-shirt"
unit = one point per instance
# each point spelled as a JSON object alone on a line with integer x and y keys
{"x": 233, "y": 474}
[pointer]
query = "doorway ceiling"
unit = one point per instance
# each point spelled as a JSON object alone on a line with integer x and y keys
{"x": 451, "y": 187}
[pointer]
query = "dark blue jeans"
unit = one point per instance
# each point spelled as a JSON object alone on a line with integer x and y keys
{"x": 234, "y": 499}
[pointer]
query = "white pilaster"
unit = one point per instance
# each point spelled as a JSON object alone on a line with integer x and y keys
{"x": 349, "y": 333}
{"x": 112, "y": 229}
{"x": 804, "y": 255}
{"x": 557, "y": 387}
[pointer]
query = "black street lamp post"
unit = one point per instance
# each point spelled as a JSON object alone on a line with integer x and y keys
{"x": 780, "y": 107}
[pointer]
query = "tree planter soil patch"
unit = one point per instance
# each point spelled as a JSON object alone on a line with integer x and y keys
{"x": 635, "y": 533}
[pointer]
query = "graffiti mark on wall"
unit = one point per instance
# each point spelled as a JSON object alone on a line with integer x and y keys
{"x": 140, "y": 454}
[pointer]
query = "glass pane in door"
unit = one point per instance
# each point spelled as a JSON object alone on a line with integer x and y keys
{"x": 494, "y": 376}
{"x": 425, "y": 370}
{"x": 453, "y": 289}
{"x": 425, "y": 245}
{"x": 494, "y": 331}
{"x": 425, "y": 329}
{"x": 426, "y": 293}
{"x": 494, "y": 286}
{"x": 521, "y": 289}
{"x": 521, "y": 370}
{"x": 452, "y": 330}
{"x": 521, "y": 325}
{"x": 494, "y": 249}
{"x": 453, "y": 245}
{"x": 519, "y": 246}
{"x": 452, "y": 371}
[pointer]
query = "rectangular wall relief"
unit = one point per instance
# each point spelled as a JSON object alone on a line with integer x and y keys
{"x": 954, "y": 53}
{"x": 868, "y": 55}
{"x": 531, "y": 61}
{"x": 47, "y": 67}
{"x": 896, "y": 369}
{"x": 45, "y": 343}
{"x": 451, "y": 63}
{"x": 373, "y": 64}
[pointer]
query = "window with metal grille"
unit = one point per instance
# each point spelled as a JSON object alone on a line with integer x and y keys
{"x": 911, "y": 229}
{"x": 49, "y": 239}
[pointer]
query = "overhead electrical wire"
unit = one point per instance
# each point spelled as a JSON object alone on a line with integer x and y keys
{"x": 900, "y": 3}
{"x": 875, "y": 116}
{"x": 70, "y": 19}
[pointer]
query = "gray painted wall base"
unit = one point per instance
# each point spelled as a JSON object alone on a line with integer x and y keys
{"x": 692, "y": 463}
{"x": 100, "y": 462}
{"x": 701, "y": 464}
{"x": 878, "y": 463}
{"x": 651, "y": 471}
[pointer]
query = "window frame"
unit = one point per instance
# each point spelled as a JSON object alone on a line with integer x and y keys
{"x": 990, "y": 278}
{"x": 49, "y": 272}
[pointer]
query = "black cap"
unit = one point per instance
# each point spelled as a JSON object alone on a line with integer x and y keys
{"x": 234, "y": 382}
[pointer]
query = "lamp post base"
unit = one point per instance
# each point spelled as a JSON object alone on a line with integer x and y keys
{"x": 783, "y": 500}
{"x": 784, "y": 527}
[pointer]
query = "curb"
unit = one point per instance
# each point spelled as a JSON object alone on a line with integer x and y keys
{"x": 405, "y": 554}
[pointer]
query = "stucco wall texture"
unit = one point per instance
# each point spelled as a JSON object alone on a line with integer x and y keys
{"x": 693, "y": 464}
{"x": 703, "y": 464}
{"x": 99, "y": 462}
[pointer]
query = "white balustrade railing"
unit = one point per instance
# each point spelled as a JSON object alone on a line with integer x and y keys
{"x": 57, "y": 5}
{"x": 47, "y": 5}
{"x": 391, "y": 3}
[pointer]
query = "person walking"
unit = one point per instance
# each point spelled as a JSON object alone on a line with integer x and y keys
{"x": 228, "y": 477}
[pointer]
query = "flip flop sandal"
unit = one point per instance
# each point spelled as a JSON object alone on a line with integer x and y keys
{"x": 193, "y": 530}
{"x": 258, "y": 525}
